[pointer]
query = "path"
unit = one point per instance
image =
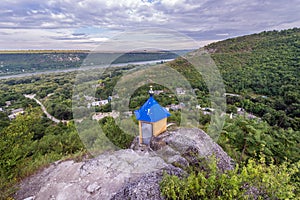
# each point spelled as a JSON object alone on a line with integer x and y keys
{"x": 32, "y": 96}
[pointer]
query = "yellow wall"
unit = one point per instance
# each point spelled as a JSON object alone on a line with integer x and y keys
{"x": 159, "y": 126}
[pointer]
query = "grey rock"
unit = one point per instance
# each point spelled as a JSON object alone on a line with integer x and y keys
{"x": 93, "y": 187}
{"x": 147, "y": 186}
{"x": 192, "y": 144}
{"x": 125, "y": 174}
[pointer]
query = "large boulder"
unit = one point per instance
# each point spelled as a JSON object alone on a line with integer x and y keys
{"x": 124, "y": 174}
{"x": 187, "y": 146}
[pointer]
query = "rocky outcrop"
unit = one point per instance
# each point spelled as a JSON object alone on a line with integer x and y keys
{"x": 186, "y": 146}
{"x": 98, "y": 178}
{"x": 147, "y": 186}
{"x": 124, "y": 174}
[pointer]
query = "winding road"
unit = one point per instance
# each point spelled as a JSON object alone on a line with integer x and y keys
{"x": 32, "y": 96}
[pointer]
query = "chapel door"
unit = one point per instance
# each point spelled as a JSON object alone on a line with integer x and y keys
{"x": 146, "y": 132}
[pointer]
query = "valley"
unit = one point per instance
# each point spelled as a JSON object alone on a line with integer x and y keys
{"x": 261, "y": 77}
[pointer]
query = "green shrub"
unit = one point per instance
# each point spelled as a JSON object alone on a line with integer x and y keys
{"x": 275, "y": 182}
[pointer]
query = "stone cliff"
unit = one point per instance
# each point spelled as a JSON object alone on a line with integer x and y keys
{"x": 125, "y": 174}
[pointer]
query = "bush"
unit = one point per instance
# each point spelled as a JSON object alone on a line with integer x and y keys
{"x": 253, "y": 180}
{"x": 115, "y": 134}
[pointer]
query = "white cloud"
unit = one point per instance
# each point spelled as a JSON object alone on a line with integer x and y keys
{"x": 200, "y": 19}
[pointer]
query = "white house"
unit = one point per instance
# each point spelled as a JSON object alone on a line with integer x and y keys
{"x": 15, "y": 113}
{"x": 180, "y": 91}
{"x": 157, "y": 92}
{"x": 100, "y": 103}
{"x": 198, "y": 106}
{"x": 8, "y": 103}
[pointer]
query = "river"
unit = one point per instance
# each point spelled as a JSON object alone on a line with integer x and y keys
{"x": 82, "y": 68}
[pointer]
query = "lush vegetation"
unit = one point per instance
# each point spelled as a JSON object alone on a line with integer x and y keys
{"x": 264, "y": 68}
{"x": 244, "y": 139}
{"x": 30, "y": 142}
{"x": 255, "y": 180}
{"x": 15, "y": 63}
{"x": 261, "y": 69}
{"x": 267, "y": 162}
{"x": 115, "y": 134}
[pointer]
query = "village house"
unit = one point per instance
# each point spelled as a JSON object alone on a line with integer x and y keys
{"x": 180, "y": 91}
{"x": 158, "y": 92}
{"x": 232, "y": 95}
{"x": 240, "y": 111}
{"x": 8, "y": 103}
{"x": 100, "y": 103}
{"x": 15, "y": 113}
{"x": 198, "y": 106}
{"x": 175, "y": 107}
{"x": 208, "y": 109}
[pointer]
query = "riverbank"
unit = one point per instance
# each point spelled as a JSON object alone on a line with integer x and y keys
{"x": 81, "y": 68}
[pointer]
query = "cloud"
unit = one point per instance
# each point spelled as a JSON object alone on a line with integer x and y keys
{"x": 203, "y": 20}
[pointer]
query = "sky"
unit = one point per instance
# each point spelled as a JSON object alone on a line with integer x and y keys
{"x": 86, "y": 24}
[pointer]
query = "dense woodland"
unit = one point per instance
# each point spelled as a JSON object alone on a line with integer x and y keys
{"x": 263, "y": 69}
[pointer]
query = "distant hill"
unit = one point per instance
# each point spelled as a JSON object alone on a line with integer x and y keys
{"x": 263, "y": 68}
{"x": 22, "y": 61}
{"x": 265, "y": 63}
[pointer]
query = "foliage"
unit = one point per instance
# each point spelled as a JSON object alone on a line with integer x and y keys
{"x": 267, "y": 181}
{"x": 4, "y": 120}
{"x": 243, "y": 138}
{"x": 263, "y": 65}
{"x": 262, "y": 68}
{"x": 115, "y": 134}
{"x": 13, "y": 63}
{"x": 29, "y": 142}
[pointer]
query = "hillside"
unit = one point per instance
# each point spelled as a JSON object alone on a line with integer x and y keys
{"x": 263, "y": 68}
{"x": 263, "y": 63}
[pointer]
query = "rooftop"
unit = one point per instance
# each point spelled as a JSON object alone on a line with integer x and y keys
{"x": 151, "y": 111}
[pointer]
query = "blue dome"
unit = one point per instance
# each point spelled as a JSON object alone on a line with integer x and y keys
{"x": 151, "y": 111}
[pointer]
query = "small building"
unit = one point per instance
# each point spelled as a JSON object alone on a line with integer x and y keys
{"x": 100, "y": 103}
{"x": 158, "y": 92}
{"x": 175, "y": 107}
{"x": 180, "y": 91}
{"x": 15, "y": 113}
{"x": 8, "y": 103}
{"x": 152, "y": 119}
